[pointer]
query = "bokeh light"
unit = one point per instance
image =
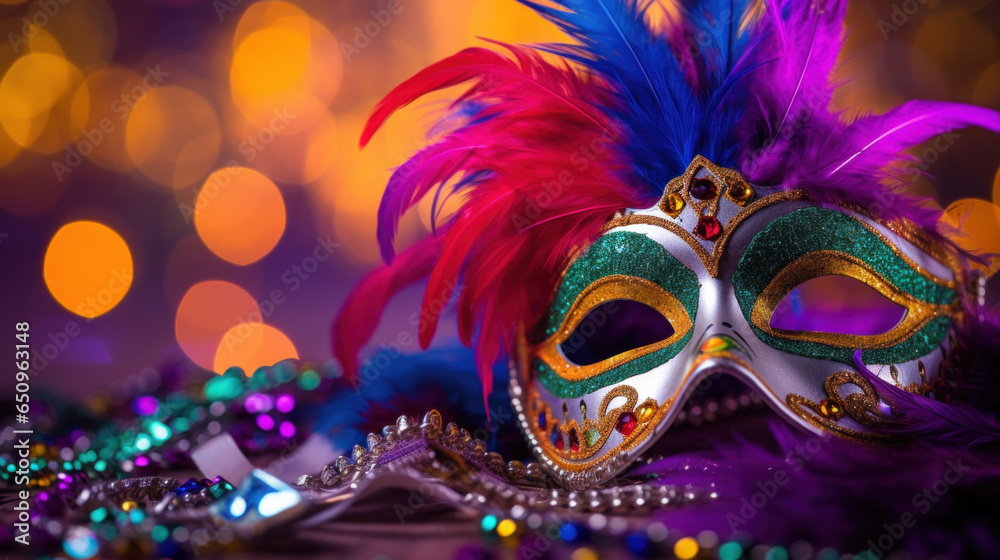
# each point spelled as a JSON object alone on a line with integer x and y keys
{"x": 173, "y": 135}
{"x": 284, "y": 62}
{"x": 207, "y": 312}
{"x": 35, "y": 99}
{"x": 252, "y": 345}
{"x": 996, "y": 188}
{"x": 456, "y": 25}
{"x": 974, "y": 225}
{"x": 88, "y": 268}
{"x": 239, "y": 214}
{"x": 9, "y": 149}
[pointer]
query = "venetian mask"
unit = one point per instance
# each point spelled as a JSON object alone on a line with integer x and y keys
{"x": 672, "y": 223}
{"x": 723, "y": 278}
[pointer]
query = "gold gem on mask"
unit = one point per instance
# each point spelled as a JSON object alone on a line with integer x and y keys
{"x": 830, "y": 409}
{"x": 741, "y": 192}
{"x": 645, "y": 411}
{"x": 672, "y": 205}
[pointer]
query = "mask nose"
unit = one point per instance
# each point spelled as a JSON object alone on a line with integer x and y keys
{"x": 724, "y": 355}
{"x": 723, "y": 346}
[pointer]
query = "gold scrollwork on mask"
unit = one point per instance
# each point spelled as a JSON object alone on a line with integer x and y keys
{"x": 555, "y": 437}
{"x": 864, "y": 407}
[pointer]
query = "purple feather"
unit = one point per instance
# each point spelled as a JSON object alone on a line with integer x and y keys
{"x": 930, "y": 420}
{"x": 779, "y": 494}
{"x": 880, "y": 139}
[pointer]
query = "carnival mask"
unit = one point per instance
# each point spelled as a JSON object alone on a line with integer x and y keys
{"x": 675, "y": 208}
{"x": 725, "y": 277}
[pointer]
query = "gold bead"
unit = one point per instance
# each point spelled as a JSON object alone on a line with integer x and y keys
{"x": 829, "y": 409}
{"x": 672, "y": 204}
{"x": 741, "y": 192}
{"x": 644, "y": 412}
{"x": 129, "y": 506}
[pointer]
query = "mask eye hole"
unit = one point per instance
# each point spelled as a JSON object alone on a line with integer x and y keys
{"x": 613, "y": 328}
{"x": 839, "y": 305}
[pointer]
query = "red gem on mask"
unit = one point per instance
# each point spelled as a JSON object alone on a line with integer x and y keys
{"x": 626, "y": 423}
{"x": 703, "y": 189}
{"x": 708, "y": 228}
{"x": 574, "y": 441}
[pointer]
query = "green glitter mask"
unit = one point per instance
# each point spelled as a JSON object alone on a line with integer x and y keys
{"x": 825, "y": 240}
{"x": 755, "y": 283}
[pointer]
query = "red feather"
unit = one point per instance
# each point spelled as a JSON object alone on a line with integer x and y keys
{"x": 548, "y": 173}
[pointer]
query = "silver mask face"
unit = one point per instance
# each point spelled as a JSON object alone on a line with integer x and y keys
{"x": 723, "y": 277}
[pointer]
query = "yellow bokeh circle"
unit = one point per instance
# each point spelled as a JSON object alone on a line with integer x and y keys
{"x": 686, "y": 548}
{"x": 239, "y": 214}
{"x": 35, "y": 96}
{"x": 284, "y": 63}
{"x": 88, "y": 268}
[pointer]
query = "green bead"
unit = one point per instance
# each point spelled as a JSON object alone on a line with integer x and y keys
{"x": 730, "y": 551}
{"x": 224, "y": 387}
{"x": 159, "y": 533}
{"x": 309, "y": 380}
{"x": 99, "y": 514}
{"x": 159, "y": 431}
{"x": 284, "y": 371}
{"x": 181, "y": 424}
{"x": 258, "y": 380}
{"x": 220, "y": 489}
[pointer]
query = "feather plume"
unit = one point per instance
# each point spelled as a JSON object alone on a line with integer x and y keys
{"x": 542, "y": 154}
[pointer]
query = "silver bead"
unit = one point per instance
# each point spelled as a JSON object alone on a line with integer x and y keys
{"x": 434, "y": 418}
{"x": 357, "y": 453}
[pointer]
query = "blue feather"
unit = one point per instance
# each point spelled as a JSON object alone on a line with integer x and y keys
{"x": 391, "y": 384}
{"x": 673, "y": 105}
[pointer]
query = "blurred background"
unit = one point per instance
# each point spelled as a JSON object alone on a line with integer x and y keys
{"x": 180, "y": 180}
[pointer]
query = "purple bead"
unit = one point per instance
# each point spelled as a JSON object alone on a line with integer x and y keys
{"x": 703, "y": 189}
{"x": 145, "y": 405}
